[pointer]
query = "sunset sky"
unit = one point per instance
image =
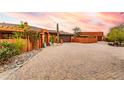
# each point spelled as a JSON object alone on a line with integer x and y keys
{"x": 87, "y": 21}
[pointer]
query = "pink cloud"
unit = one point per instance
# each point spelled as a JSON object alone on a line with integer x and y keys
{"x": 112, "y": 17}
{"x": 68, "y": 20}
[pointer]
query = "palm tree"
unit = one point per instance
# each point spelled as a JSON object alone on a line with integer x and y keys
{"x": 76, "y": 31}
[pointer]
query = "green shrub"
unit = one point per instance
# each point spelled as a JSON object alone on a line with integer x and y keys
{"x": 4, "y": 54}
{"x": 8, "y": 50}
{"x": 19, "y": 44}
{"x": 116, "y": 35}
{"x": 52, "y": 39}
{"x": 5, "y": 44}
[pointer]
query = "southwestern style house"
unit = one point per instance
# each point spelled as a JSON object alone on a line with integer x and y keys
{"x": 7, "y": 29}
{"x": 6, "y": 32}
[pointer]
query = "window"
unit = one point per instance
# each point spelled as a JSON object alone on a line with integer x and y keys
{"x": 6, "y": 36}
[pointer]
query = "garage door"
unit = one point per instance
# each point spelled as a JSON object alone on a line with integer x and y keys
{"x": 65, "y": 38}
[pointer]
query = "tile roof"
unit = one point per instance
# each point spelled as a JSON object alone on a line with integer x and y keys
{"x": 92, "y": 33}
{"x": 65, "y": 33}
{"x": 61, "y": 32}
{"x": 35, "y": 29}
{"x": 52, "y": 31}
{"x": 15, "y": 25}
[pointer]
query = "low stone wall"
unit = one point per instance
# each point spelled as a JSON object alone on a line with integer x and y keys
{"x": 84, "y": 40}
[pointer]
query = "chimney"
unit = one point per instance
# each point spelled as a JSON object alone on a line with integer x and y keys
{"x": 26, "y": 23}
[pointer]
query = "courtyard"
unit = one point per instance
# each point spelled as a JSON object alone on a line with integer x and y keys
{"x": 73, "y": 61}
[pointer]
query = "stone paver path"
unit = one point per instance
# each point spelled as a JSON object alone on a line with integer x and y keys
{"x": 74, "y": 61}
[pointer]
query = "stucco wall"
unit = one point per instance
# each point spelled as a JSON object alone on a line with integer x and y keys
{"x": 84, "y": 40}
{"x": 92, "y": 33}
{"x": 29, "y": 45}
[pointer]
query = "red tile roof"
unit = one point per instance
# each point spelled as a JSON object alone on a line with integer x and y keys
{"x": 92, "y": 33}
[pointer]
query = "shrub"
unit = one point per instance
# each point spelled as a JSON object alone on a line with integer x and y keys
{"x": 17, "y": 35}
{"x": 9, "y": 50}
{"x": 4, "y": 54}
{"x": 52, "y": 39}
{"x": 19, "y": 44}
{"x": 116, "y": 35}
{"x": 5, "y": 44}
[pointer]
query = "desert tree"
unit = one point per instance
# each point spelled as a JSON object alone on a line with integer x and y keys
{"x": 76, "y": 31}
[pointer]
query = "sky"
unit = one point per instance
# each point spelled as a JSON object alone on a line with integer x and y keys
{"x": 87, "y": 21}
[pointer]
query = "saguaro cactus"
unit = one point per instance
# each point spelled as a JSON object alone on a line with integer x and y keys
{"x": 57, "y": 28}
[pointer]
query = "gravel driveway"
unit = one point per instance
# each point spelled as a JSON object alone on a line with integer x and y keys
{"x": 74, "y": 61}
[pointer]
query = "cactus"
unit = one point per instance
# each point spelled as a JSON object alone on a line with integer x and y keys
{"x": 57, "y": 28}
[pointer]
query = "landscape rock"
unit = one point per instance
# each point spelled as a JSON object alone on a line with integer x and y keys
{"x": 18, "y": 60}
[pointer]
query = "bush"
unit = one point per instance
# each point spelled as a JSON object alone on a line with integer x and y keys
{"x": 52, "y": 39}
{"x": 6, "y": 53}
{"x": 9, "y": 50}
{"x": 3, "y": 54}
{"x": 5, "y": 44}
{"x": 116, "y": 35}
{"x": 19, "y": 44}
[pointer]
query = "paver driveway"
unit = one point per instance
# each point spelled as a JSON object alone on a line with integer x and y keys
{"x": 74, "y": 61}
